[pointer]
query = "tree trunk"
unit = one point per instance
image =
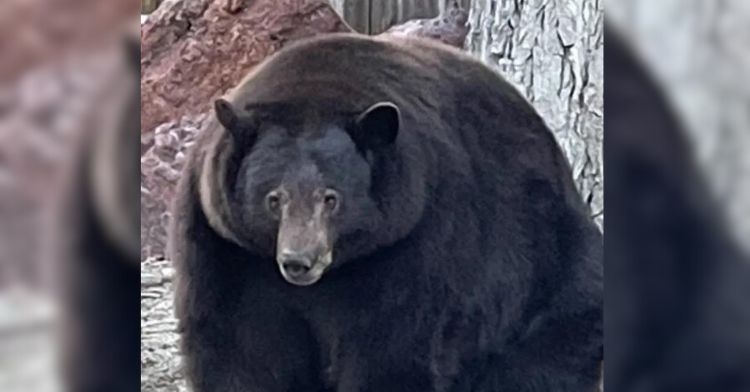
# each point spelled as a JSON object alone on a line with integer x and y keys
{"x": 553, "y": 53}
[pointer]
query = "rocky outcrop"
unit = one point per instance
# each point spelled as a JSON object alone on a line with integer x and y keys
{"x": 160, "y": 170}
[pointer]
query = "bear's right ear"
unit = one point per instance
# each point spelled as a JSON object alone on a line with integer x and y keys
{"x": 377, "y": 126}
{"x": 238, "y": 124}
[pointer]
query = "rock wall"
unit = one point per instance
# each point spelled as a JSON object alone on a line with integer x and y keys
{"x": 192, "y": 51}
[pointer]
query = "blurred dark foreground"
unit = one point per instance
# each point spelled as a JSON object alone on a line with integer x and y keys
{"x": 677, "y": 300}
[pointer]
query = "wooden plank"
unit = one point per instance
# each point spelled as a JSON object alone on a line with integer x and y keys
{"x": 356, "y": 13}
{"x": 148, "y": 6}
{"x": 375, "y": 16}
{"x": 385, "y": 14}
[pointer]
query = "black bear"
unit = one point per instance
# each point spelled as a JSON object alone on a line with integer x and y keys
{"x": 383, "y": 214}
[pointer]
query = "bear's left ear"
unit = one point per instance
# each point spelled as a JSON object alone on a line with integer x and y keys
{"x": 377, "y": 126}
{"x": 239, "y": 124}
{"x": 226, "y": 114}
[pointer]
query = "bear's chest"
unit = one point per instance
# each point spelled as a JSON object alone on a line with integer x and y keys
{"x": 367, "y": 325}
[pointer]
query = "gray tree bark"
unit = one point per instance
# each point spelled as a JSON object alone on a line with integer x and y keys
{"x": 552, "y": 51}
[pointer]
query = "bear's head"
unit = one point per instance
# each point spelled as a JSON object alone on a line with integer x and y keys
{"x": 298, "y": 185}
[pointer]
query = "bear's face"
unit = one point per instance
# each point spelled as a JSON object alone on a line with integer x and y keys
{"x": 300, "y": 191}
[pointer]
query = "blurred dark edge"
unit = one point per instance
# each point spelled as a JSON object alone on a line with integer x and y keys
{"x": 98, "y": 241}
{"x": 677, "y": 314}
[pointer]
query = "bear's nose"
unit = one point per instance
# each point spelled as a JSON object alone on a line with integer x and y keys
{"x": 295, "y": 264}
{"x": 295, "y": 268}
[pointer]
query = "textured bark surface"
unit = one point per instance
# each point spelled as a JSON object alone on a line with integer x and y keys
{"x": 553, "y": 52}
{"x": 194, "y": 50}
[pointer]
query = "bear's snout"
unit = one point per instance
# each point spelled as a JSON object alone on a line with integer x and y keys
{"x": 301, "y": 259}
{"x": 302, "y": 269}
{"x": 303, "y": 246}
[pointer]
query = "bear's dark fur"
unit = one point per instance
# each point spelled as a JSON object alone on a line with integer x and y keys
{"x": 475, "y": 267}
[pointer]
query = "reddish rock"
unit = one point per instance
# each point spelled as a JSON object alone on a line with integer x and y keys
{"x": 195, "y": 50}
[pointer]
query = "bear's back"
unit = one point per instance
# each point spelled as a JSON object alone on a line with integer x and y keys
{"x": 352, "y": 70}
{"x": 345, "y": 70}
{"x": 442, "y": 92}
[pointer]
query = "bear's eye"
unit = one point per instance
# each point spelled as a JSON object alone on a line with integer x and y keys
{"x": 273, "y": 202}
{"x": 331, "y": 200}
